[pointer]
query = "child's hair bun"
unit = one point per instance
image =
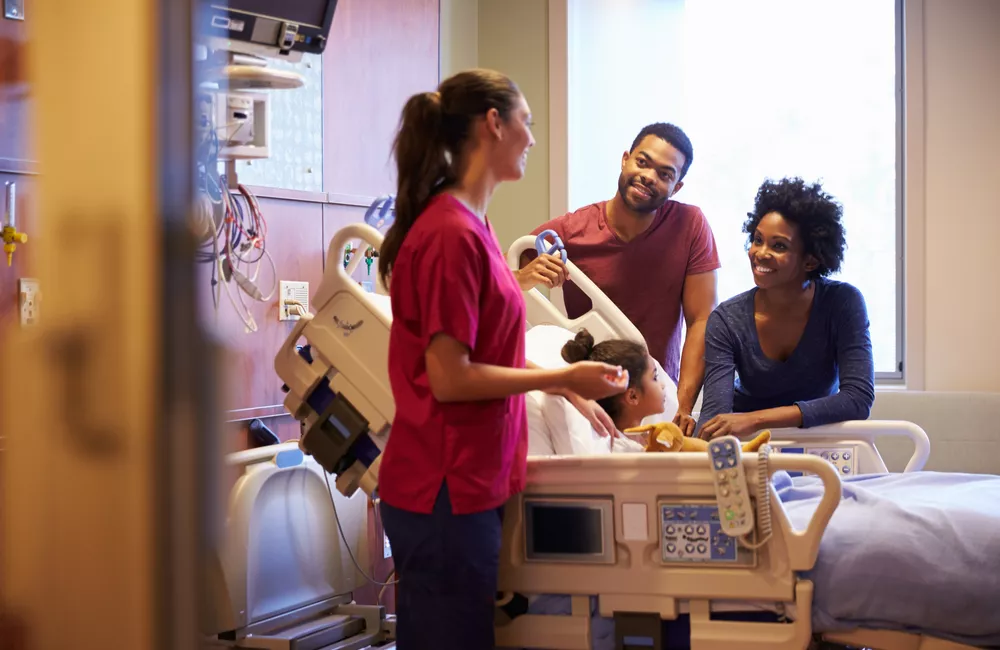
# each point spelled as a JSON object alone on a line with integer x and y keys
{"x": 580, "y": 348}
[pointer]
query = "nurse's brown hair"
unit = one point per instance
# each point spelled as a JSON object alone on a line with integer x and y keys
{"x": 433, "y": 131}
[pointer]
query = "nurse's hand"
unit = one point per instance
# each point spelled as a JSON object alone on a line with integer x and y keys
{"x": 597, "y": 416}
{"x": 545, "y": 269}
{"x": 594, "y": 380}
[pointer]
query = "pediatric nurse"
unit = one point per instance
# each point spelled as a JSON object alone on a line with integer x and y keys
{"x": 458, "y": 447}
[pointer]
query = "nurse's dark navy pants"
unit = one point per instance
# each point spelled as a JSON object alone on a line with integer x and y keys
{"x": 447, "y": 568}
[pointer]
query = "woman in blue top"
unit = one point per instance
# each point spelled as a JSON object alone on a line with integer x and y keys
{"x": 794, "y": 351}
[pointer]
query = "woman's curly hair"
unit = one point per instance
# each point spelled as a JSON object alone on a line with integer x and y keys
{"x": 816, "y": 213}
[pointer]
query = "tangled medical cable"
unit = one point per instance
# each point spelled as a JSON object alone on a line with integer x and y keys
{"x": 233, "y": 235}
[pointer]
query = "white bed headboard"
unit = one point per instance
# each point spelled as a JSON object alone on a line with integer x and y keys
{"x": 604, "y": 321}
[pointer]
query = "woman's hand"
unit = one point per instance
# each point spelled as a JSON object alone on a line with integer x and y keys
{"x": 545, "y": 269}
{"x": 594, "y": 380}
{"x": 729, "y": 424}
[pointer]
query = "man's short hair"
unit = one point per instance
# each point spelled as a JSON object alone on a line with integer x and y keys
{"x": 672, "y": 134}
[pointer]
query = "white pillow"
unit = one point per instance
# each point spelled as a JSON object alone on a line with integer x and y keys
{"x": 543, "y": 347}
{"x": 539, "y": 438}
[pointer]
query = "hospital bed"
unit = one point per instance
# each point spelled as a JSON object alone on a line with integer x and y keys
{"x": 623, "y": 561}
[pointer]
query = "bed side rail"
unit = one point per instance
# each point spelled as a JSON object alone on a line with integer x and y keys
{"x": 866, "y": 431}
{"x": 803, "y": 546}
{"x": 604, "y": 320}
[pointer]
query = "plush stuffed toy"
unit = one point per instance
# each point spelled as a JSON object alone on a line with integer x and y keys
{"x": 667, "y": 436}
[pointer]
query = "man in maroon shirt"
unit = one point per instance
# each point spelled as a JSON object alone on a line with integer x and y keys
{"x": 654, "y": 257}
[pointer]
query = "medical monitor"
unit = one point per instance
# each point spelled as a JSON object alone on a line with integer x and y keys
{"x": 569, "y": 529}
{"x": 267, "y": 28}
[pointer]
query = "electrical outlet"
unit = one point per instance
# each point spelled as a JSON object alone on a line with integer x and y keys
{"x": 298, "y": 292}
{"x": 28, "y": 301}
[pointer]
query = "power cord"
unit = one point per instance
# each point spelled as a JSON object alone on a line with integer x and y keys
{"x": 346, "y": 543}
{"x": 230, "y": 227}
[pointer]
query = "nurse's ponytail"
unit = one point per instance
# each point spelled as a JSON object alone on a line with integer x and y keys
{"x": 433, "y": 134}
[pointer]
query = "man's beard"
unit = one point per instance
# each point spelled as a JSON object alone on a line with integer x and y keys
{"x": 653, "y": 203}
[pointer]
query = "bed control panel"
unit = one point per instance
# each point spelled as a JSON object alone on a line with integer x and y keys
{"x": 692, "y": 533}
{"x": 731, "y": 488}
{"x": 843, "y": 457}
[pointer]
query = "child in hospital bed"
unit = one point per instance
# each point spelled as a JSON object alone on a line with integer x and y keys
{"x": 644, "y": 397}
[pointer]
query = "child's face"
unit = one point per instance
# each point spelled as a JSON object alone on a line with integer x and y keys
{"x": 649, "y": 397}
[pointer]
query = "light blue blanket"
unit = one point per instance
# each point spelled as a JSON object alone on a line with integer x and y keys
{"x": 916, "y": 552}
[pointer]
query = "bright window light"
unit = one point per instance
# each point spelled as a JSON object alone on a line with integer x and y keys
{"x": 764, "y": 89}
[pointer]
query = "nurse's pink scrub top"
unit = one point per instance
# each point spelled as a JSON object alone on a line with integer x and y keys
{"x": 451, "y": 277}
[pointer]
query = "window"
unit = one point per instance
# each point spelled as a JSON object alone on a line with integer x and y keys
{"x": 296, "y": 148}
{"x": 764, "y": 89}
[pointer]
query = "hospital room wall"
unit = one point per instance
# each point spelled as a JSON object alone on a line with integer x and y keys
{"x": 962, "y": 174}
{"x": 510, "y": 36}
{"x": 953, "y": 170}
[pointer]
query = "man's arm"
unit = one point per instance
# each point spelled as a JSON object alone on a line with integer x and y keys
{"x": 699, "y": 299}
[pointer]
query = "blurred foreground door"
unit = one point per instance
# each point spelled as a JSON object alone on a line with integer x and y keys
{"x": 108, "y": 408}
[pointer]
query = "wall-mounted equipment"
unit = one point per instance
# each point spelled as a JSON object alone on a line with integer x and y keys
{"x": 269, "y": 28}
{"x": 233, "y": 43}
{"x": 242, "y": 124}
{"x": 11, "y": 237}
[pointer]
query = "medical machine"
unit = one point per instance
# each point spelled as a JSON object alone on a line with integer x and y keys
{"x": 268, "y": 28}
{"x": 628, "y": 541}
{"x": 244, "y": 52}
{"x": 235, "y": 41}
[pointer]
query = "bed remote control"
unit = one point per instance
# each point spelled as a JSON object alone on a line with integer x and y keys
{"x": 731, "y": 489}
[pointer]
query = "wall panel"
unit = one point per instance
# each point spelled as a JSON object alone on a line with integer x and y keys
{"x": 380, "y": 53}
{"x": 294, "y": 240}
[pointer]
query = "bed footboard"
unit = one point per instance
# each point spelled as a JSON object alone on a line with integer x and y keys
{"x": 611, "y": 533}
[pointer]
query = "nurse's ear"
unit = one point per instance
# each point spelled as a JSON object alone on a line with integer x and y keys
{"x": 494, "y": 124}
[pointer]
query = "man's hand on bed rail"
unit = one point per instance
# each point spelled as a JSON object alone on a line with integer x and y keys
{"x": 685, "y": 422}
{"x": 545, "y": 269}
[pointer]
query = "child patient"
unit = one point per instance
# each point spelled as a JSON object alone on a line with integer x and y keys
{"x": 643, "y": 397}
